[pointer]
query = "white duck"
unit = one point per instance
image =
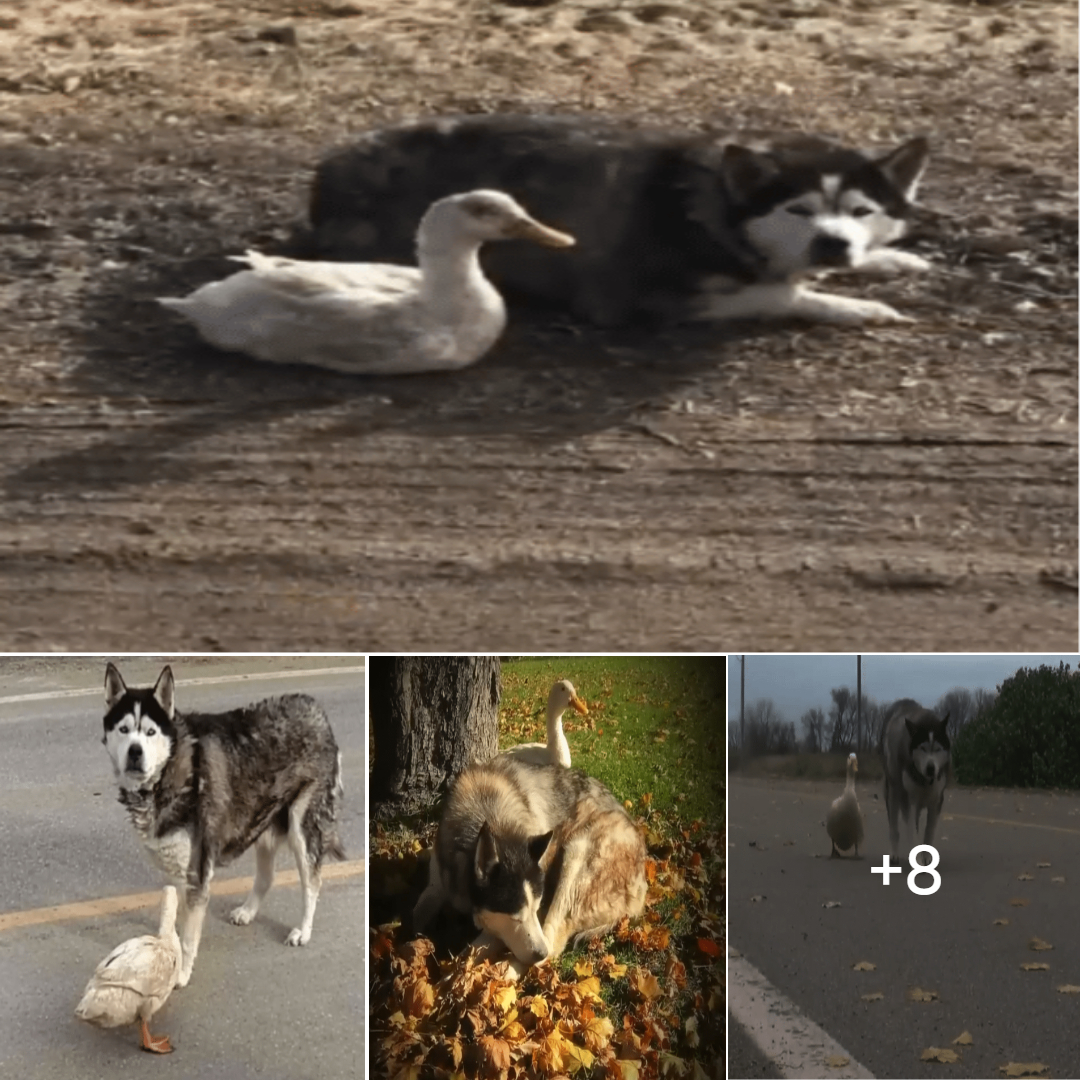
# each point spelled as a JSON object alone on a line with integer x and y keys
{"x": 556, "y": 751}
{"x": 845, "y": 820}
{"x": 136, "y": 978}
{"x": 373, "y": 318}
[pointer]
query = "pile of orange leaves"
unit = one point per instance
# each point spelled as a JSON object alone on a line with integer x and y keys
{"x": 463, "y": 1018}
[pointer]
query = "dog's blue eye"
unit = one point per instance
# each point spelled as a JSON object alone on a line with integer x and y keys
{"x": 800, "y": 211}
{"x": 151, "y": 732}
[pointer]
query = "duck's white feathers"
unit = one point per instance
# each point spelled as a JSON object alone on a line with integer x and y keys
{"x": 556, "y": 751}
{"x": 137, "y": 977}
{"x": 372, "y": 318}
{"x": 845, "y": 820}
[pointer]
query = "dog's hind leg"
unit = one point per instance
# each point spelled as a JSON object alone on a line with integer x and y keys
{"x": 266, "y": 849}
{"x": 308, "y": 864}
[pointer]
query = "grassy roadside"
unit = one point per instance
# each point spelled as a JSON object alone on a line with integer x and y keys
{"x": 813, "y": 767}
{"x": 645, "y": 1000}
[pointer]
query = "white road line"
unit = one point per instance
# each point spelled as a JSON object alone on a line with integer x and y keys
{"x": 209, "y": 680}
{"x": 794, "y": 1044}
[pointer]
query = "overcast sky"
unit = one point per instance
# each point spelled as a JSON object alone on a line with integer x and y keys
{"x": 798, "y": 683}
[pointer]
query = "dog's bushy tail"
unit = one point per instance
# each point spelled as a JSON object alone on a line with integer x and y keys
{"x": 333, "y": 847}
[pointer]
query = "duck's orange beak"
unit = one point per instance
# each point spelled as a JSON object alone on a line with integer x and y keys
{"x": 579, "y": 705}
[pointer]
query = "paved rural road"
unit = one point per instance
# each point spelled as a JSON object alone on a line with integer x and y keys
{"x": 946, "y": 942}
{"x": 254, "y": 1007}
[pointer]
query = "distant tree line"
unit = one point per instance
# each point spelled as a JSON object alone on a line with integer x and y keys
{"x": 1027, "y": 733}
{"x": 843, "y": 728}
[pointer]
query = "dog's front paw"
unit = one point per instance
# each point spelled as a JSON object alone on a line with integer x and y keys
{"x": 241, "y": 916}
{"x": 298, "y": 936}
{"x": 845, "y": 310}
{"x": 892, "y": 261}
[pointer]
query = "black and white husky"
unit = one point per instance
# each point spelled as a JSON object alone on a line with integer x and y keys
{"x": 538, "y": 855}
{"x": 918, "y": 761}
{"x": 201, "y": 788}
{"x": 670, "y": 224}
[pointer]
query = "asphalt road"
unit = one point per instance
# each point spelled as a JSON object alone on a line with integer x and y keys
{"x": 253, "y": 1007}
{"x": 946, "y": 942}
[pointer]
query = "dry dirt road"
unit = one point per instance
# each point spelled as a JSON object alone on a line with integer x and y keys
{"x": 764, "y": 487}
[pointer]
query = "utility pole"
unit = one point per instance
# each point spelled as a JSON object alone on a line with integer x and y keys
{"x": 742, "y": 708}
{"x": 858, "y": 703}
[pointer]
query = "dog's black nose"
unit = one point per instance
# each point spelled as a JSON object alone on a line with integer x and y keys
{"x": 134, "y": 755}
{"x": 830, "y": 251}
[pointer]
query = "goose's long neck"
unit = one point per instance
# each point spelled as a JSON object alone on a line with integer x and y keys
{"x": 450, "y": 271}
{"x": 167, "y": 926}
{"x": 554, "y": 724}
{"x": 850, "y": 787}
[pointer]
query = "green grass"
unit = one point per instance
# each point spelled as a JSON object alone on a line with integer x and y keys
{"x": 655, "y": 725}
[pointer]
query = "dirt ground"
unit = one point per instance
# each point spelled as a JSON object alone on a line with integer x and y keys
{"x": 745, "y": 488}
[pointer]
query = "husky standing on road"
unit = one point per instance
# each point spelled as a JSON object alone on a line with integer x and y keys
{"x": 669, "y": 224}
{"x": 915, "y": 751}
{"x": 202, "y": 788}
{"x": 537, "y": 855}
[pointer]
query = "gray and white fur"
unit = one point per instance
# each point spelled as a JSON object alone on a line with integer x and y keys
{"x": 201, "y": 788}
{"x": 538, "y": 855}
{"x": 918, "y": 763}
{"x": 669, "y": 224}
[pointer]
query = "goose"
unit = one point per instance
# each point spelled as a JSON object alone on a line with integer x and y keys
{"x": 373, "y": 318}
{"x": 136, "y": 978}
{"x": 556, "y": 751}
{"x": 845, "y": 820}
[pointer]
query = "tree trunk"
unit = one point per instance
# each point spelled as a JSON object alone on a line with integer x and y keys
{"x": 430, "y": 717}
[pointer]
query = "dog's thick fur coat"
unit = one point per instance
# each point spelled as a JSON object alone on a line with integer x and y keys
{"x": 201, "y": 788}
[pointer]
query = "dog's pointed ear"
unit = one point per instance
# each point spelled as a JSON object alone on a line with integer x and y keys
{"x": 165, "y": 691}
{"x": 540, "y": 847}
{"x": 114, "y": 686}
{"x": 945, "y": 722}
{"x": 743, "y": 170}
{"x": 904, "y": 167}
{"x": 487, "y": 855}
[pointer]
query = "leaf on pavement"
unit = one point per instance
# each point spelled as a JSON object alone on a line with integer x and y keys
{"x": 918, "y": 994}
{"x": 1038, "y": 945}
{"x": 864, "y": 965}
{"x": 1019, "y": 901}
{"x": 877, "y": 995}
{"x": 1068, "y": 989}
{"x": 1035, "y": 967}
{"x": 1001, "y": 922}
{"x": 1016, "y": 1068}
{"x": 936, "y": 1053}
{"x": 963, "y": 1039}
{"x": 1025, "y": 877}
{"x": 837, "y": 1061}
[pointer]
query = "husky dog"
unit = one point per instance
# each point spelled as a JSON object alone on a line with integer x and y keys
{"x": 671, "y": 224}
{"x": 915, "y": 751}
{"x": 202, "y": 788}
{"x": 538, "y": 855}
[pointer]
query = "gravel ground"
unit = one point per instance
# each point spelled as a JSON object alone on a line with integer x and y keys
{"x": 750, "y": 488}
